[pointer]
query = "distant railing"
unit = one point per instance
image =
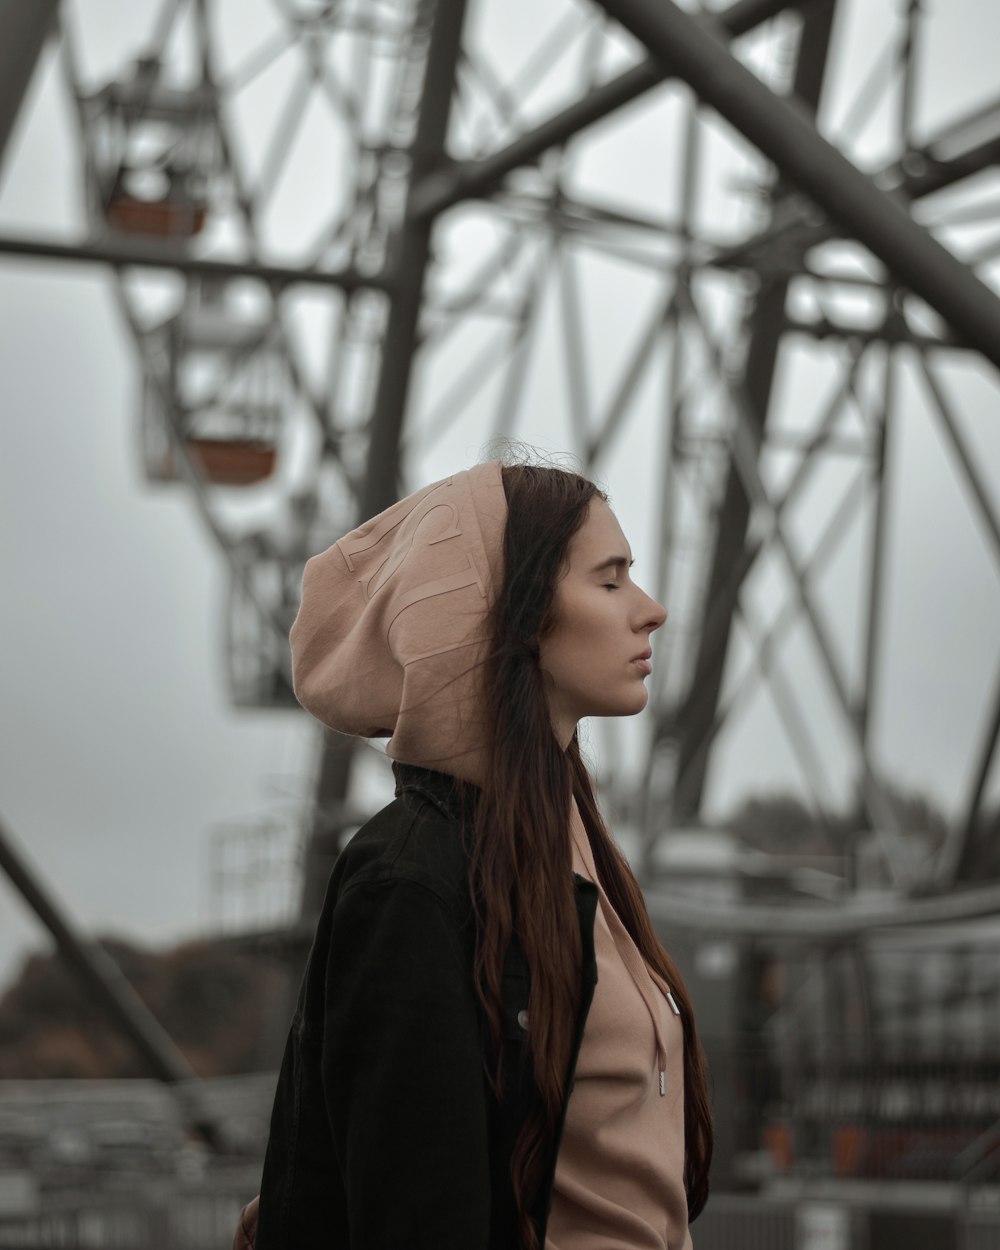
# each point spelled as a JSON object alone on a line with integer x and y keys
{"x": 844, "y": 1155}
{"x": 918, "y": 1120}
{"x": 893, "y": 1220}
{"x": 871, "y": 1218}
{"x": 161, "y": 1218}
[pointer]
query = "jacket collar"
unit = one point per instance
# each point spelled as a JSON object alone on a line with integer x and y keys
{"x": 447, "y": 793}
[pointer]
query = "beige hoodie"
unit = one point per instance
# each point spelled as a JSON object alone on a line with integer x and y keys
{"x": 619, "y": 1182}
{"x": 389, "y": 641}
{"x": 390, "y": 634}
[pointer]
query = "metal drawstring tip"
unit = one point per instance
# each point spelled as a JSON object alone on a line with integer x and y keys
{"x": 670, "y": 1000}
{"x": 663, "y": 1083}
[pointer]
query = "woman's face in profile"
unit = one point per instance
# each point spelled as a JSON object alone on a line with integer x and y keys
{"x": 603, "y": 621}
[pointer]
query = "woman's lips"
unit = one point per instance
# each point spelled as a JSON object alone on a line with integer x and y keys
{"x": 644, "y": 665}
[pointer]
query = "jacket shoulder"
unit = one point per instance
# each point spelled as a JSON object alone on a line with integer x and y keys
{"x": 410, "y": 839}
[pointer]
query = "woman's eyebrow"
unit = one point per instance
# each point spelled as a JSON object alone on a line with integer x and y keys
{"x": 617, "y": 562}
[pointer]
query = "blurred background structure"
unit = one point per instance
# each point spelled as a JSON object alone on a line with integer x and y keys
{"x": 743, "y": 263}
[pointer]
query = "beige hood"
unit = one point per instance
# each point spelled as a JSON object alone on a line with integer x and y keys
{"x": 390, "y": 634}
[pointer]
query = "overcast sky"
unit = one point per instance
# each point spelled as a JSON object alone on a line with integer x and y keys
{"x": 121, "y": 760}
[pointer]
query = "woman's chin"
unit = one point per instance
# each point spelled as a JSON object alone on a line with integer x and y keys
{"x": 628, "y": 705}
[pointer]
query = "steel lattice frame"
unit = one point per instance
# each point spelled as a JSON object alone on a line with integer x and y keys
{"x": 443, "y": 291}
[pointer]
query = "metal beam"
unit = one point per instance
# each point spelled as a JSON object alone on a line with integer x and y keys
{"x": 112, "y": 993}
{"x": 158, "y": 256}
{"x": 677, "y": 909}
{"x": 717, "y": 612}
{"x": 963, "y": 149}
{"x": 975, "y": 479}
{"x": 892, "y": 330}
{"x": 745, "y": 460}
{"x": 23, "y": 30}
{"x": 967, "y": 848}
{"x": 765, "y": 642}
{"x": 960, "y": 859}
{"x": 881, "y": 484}
{"x": 442, "y": 188}
{"x": 411, "y": 251}
{"x": 765, "y": 325}
{"x": 781, "y": 129}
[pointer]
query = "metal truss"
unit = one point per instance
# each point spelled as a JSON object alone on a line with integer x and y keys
{"x": 478, "y": 258}
{"x": 112, "y": 993}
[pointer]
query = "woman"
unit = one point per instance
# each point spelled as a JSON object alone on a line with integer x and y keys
{"x": 491, "y": 1048}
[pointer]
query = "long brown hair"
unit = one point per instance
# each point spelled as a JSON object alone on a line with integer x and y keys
{"x": 521, "y": 875}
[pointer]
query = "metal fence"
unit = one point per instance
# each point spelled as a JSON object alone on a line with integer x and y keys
{"x": 886, "y": 1221}
{"x": 203, "y": 1218}
{"x": 181, "y": 1218}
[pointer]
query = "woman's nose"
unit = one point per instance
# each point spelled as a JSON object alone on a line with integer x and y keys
{"x": 655, "y": 613}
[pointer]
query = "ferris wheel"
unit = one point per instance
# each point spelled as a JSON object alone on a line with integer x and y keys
{"x": 353, "y": 242}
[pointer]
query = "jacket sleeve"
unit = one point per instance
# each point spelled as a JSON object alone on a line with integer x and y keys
{"x": 402, "y": 1071}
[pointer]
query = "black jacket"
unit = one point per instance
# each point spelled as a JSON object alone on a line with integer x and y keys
{"x": 385, "y": 1134}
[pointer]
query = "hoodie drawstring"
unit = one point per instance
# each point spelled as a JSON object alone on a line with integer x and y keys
{"x": 641, "y": 975}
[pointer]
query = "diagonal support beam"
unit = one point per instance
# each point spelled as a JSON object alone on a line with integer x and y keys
{"x": 958, "y": 860}
{"x": 113, "y": 994}
{"x": 780, "y": 128}
{"x": 765, "y": 328}
{"x": 964, "y": 454}
{"x": 763, "y": 644}
{"x": 898, "y": 854}
{"x": 442, "y": 22}
{"x": 445, "y": 187}
{"x": 23, "y": 30}
{"x": 695, "y": 708}
{"x": 964, "y": 148}
{"x": 969, "y": 837}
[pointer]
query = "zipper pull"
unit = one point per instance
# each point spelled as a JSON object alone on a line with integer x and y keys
{"x": 663, "y": 1083}
{"x": 670, "y": 1000}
